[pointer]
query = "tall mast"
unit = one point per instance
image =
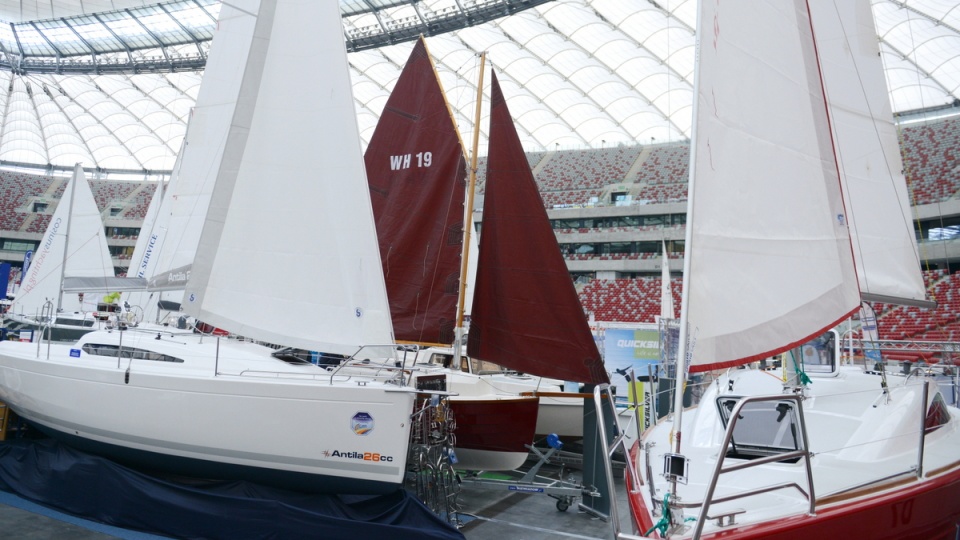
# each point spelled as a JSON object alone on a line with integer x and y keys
{"x": 468, "y": 213}
{"x": 681, "y": 377}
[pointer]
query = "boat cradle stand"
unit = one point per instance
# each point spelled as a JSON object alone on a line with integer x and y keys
{"x": 565, "y": 492}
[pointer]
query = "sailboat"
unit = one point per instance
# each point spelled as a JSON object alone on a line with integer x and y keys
{"x": 418, "y": 181}
{"x": 290, "y": 202}
{"x": 71, "y": 269}
{"x": 418, "y": 184}
{"x": 780, "y": 248}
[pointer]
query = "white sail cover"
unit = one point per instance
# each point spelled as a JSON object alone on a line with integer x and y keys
{"x": 289, "y": 251}
{"x": 79, "y": 230}
{"x": 875, "y": 191}
{"x": 768, "y": 252}
{"x": 666, "y": 293}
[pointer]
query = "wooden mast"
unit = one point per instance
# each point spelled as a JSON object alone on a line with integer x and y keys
{"x": 468, "y": 213}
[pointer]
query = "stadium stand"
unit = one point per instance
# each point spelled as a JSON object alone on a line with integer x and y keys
{"x": 932, "y": 160}
{"x": 655, "y": 173}
{"x": 113, "y": 193}
{"x": 54, "y": 191}
{"x": 18, "y": 188}
{"x": 626, "y": 300}
{"x": 139, "y": 201}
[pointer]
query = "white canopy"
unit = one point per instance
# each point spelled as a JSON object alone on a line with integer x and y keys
{"x": 586, "y": 73}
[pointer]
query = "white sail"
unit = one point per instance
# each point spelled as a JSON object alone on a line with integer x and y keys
{"x": 885, "y": 248}
{"x": 77, "y": 227}
{"x": 768, "y": 258}
{"x": 473, "y": 253}
{"x": 144, "y": 259}
{"x": 184, "y": 205}
{"x": 144, "y": 253}
{"x": 666, "y": 293}
{"x": 290, "y": 218}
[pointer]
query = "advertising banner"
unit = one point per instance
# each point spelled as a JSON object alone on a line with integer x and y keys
{"x": 630, "y": 348}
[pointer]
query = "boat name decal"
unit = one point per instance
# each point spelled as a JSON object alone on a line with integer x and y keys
{"x": 175, "y": 277}
{"x": 424, "y": 159}
{"x": 365, "y": 456}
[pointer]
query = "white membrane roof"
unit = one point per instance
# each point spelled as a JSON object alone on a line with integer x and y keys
{"x": 576, "y": 73}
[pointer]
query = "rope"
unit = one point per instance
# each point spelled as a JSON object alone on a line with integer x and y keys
{"x": 664, "y": 523}
{"x": 801, "y": 374}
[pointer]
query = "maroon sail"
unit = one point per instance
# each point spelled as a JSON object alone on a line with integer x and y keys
{"x": 416, "y": 171}
{"x": 526, "y": 314}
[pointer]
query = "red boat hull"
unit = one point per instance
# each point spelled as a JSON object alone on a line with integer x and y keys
{"x": 495, "y": 426}
{"x": 924, "y": 510}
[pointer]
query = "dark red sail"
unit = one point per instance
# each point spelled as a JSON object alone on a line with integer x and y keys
{"x": 416, "y": 171}
{"x": 526, "y": 314}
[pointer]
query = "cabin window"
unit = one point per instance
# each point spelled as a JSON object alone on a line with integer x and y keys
{"x": 482, "y": 367}
{"x": 937, "y": 414}
{"x": 765, "y": 428}
{"x": 113, "y": 351}
{"x": 85, "y": 323}
{"x": 440, "y": 359}
{"x": 819, "y": 355}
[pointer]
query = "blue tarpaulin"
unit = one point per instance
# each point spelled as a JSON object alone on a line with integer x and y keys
{"x": 59, "y": 477}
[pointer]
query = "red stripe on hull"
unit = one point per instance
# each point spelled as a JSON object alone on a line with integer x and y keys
{"x": 926, "y": 510}
{"x": 501, "y": 425}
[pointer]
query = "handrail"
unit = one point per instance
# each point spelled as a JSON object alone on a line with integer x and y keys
{"x": 47, "y": 319}
{"x": 401, "y": 370}
{"x": 803, "y": 452}
{"x": 924, "y": 395}
{"x": 619, "y": 442}
{"x": 608, "y": 449}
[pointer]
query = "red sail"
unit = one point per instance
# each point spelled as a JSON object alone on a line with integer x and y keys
{"x": 526, "y": 314}
{"x": 416, "y": 171}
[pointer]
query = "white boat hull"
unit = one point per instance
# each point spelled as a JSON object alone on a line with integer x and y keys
{"x": 225, "y": 416}
{"x": 561, "y": 416}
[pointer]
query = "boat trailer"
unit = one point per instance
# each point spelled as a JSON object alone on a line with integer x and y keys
{"x": 566, "y": 492}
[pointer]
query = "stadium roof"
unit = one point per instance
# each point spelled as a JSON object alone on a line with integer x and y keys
{"x": 110, "y": 83}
